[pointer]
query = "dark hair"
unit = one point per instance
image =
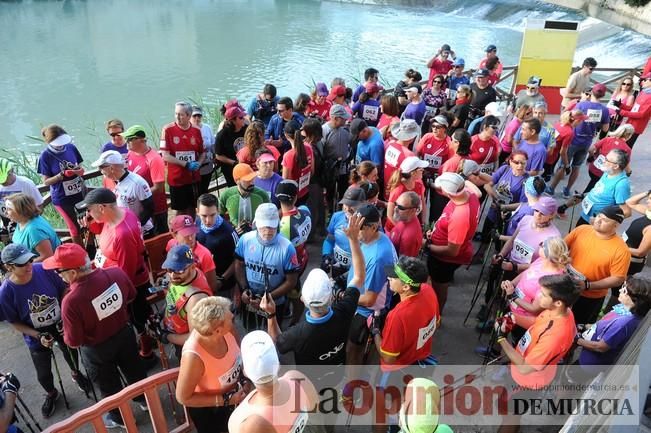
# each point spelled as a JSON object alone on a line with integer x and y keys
{"x": 313, "y": 130}
{"x": 371, "y": 189}
{"x": 369, "y": 73}
{"x": 287, "y": 102}
{"x": 562, "y": 288}
{"x": 293, "y": 129}
{"x": 269, "y": 89}
{"x": 590, "y": 62}
{"x": 301, "y": 102}
{"x": 414, "y": 75}
{"x": 539, "y": 184}
{"x": 364, "y": 168}
{"x": 441, "y": 77}
{"x": 415, "y": 268}
{"x": 622, "y": 158}
{"x": 492, "y": 62}
{"x": 534, "y": 124}
{"x": 489, "y": 121}
{"x": 639, "y": 289}
{"x": 519, "y": 153}
{"x": 390, "y": 106}
{"x": 207, "y": 200}
{"x": 462, "y": 136}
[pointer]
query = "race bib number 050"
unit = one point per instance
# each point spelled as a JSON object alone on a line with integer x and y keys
{"x": 108, "y": 302}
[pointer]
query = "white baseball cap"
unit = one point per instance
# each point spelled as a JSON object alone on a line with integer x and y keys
{"x": 259, "y": 357}
{"x": 495, "y": 109}
{"x": 317, "y": 289}
{"x": 266, "y": 215}
{"x": 411, "y": 163}
{"x": 450, "y": 183}
{"x": 109, "y": 157}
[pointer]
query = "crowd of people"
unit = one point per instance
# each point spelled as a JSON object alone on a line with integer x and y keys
{"x": 391, "y": 184}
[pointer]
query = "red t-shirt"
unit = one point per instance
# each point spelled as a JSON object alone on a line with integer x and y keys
{"x": 564, "y": 137}
{"x": 321, "y": 110}
{"x": 202, "y": 256}
{"x": 185, "y": 145}
{"x": 602, "y": 148}
{"x": 394, "y": 154}
{"x": 457, "y": 225}
{"x": 452, "y": 164}
{"x": 409, "y": 328}
{"x": 434, "y": 151}
{"x": 439, "y": 67}
{"x": 122, "y": 246}
{"x": 545, "y": 343}
{"x": 297, "y": 174}
{"x": 244, "y": 156}
{"x": 151, "y": 167}
{"x": 407, "y": 237}
{"x": 485, "y": 153}
{"x": 95, "y": 307}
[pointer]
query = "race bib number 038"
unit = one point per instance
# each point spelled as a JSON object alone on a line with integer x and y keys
{"x": 108, "y": 302}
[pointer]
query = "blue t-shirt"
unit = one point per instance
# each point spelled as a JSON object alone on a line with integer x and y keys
{"x": 336, "y": 243}
{"x": 536, "y": 154}
{"x": 547, "y": 135}
{"x": 608, "y": 191}
{"x": 36, "y": 304}
{"x": 369, "y": 111}
{"x": 508, "y": 187}
{"x": 262, "y": 109}
{"x": 377, "y": 255}
{"x": 110, "y": 146}
{"x": 598, "y": 116}
{"x": 415, "y": 111}
{"x": 613, "y": 329}
{"x": 269, "y": 185}
{"x": 70, "y": 190}
{"x": 277, "y": 259}
{"x": 36, "y": 230}
{"x": 454, "y": 82}
{"x": 371, "y": 149}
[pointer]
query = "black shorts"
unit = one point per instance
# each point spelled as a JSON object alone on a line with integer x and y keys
{"x": 440, "y": 271}
{"x": 184, "y": 196}
{"x": 358, "y": 330}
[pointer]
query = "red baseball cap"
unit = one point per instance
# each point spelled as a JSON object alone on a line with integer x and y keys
{"x": 337, "y": 90}
{"x": 184, "y": 224}
{"x": 233, "y": 112}
{"x": 66, "y": 256}
{"x": 646, "y": 76}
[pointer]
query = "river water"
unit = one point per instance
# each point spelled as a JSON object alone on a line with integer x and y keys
{"x": 79, "y": 63}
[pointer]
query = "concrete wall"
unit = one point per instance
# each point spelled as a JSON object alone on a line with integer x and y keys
{"x": 615, "y": 12}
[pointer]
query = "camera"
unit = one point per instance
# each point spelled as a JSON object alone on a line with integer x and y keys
{"x": 243, "y": 227}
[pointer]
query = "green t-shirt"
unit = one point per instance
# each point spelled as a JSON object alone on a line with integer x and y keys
{"x": 230, "y": 202}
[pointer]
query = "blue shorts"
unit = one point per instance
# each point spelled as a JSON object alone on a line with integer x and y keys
{"x": 576, "y": 155}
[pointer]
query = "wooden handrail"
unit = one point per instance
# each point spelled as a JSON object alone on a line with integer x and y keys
{"x": 121, "y": 401}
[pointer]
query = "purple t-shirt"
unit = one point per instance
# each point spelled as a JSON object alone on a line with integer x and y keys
{"x": 613, "y": 329}
{"x": 508, "y": 187}
{"x": 36, "y": 304}
{"x": 70, "y": 190}
{"x": 369, "y": 111}
{"x": 536, "y": 154}
{"x": 110, "y": 146}
{"x": 525, "y": 246}
{"x": 522, "y": 211}
{"x": 415, "y": 111}
{"x": 269, "y": 185}
{"x": 598, "y": 115}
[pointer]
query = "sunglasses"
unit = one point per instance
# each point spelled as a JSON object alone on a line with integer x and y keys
{"x": 591, "y": 68}
{"x": 438, "y": 81}
{"x": 23, "y": 265}
{"x": 115, "y": 134}
{"x": 494, "y": 126}
{"x": 401, "y": 207}
{"x": 532, "y": 88}
{"x": 436, "y": 126}
{"x": 627, "y": 84}
{"x": 60, "y": 271}
{"x": 178, "y": 272}
{"x": 513, "y": 161}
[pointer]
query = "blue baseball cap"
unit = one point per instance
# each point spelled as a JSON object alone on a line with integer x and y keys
{"x": 16, "y": 254}
{"x": 459, "y": 62}
{"x": 178, "y": 258}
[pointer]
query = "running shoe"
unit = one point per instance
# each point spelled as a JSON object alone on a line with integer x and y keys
{"x": 82, "y": 382}
{"x": 566, "y": 192}
{"x": 50, "y": 404}
{"x": 112, "y": 421}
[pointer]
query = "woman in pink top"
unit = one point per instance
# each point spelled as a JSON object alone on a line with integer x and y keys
{"x": 209, "y": 382}
{"x": 298, "y": 162}
{"x": 390, "y": 109}
{"x": 506, "y": 140}
{"x": 523, "y": 291}
{"x": 623, "y": 97}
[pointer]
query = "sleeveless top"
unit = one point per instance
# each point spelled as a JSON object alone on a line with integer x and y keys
{"x": 220, "y": 374}
{"x": 285, "y": 418}
{"x": 634, "y": 233}
{"x": 176, "y": 318}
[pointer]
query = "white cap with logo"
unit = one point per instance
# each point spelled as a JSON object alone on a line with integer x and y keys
{"x": 317, "y": 289}
{"x": 259, "y": 357}
{"x": 266, "y": 215}
{"x": 109, "y": 157}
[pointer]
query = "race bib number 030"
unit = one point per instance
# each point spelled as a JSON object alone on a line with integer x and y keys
{"x": 73, "y": 186}
{"x": 108, "y": 302}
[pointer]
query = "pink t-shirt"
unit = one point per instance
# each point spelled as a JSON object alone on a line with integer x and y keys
{"x": 387, "y": 121}
{"x": 509, "y": 132}
{"x": 526, "y": 244}
{"x": 297, "y": 174}
{"x": 202, "y": 255}
{"x": 528, "y": 287}
{"x": 394, "y": 154}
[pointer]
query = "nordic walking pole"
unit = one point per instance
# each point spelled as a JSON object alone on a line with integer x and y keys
{"x": 29, "y": 412}
{"x": 56, "y": 368}
{"x": 22, "y": 418}
{"x": 92, "y": 386}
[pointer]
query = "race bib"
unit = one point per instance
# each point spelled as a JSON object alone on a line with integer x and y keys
{"x": 304, "y": 181}
{"x": 625, "y": 236}
{"x": 303, "y": 231}
{"x": 589, "y": 333}
{"x": 100, "y": 259}
{"x": 586, "y": 205}
{"x": 487, "y": 168}
{"x": 342, "y": 257}
{"x": 108, "y": 302}
{"x": 434, "y": 161}
{"x": 430, "y": 111}
{"x": 47, "y": 317}
{"x": 185, "y": 156}
{"x": 73, "y": 186}
{"x": 370, "y": 112}
{"x": 391, "y": 156}
{"x": 599, "y": 162}
{"x": 521, "y": 252}
{"x": 524, "y": 342}
{"x": 424, "y": 334}
{"x": 519, "y": 293}
{"x": 636, "y": 108}
{"x": 232, "y": 375}
{"x": 594, "y": 116}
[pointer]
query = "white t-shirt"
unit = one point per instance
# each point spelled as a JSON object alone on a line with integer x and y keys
{"x": 130, "y": 192}
{"x": 21, "y": 184}
{"x": 208, "y": 143}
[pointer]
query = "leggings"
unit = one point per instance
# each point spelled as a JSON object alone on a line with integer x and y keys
{"x": 42, "y": 359}
{"x": 69, "y": 215}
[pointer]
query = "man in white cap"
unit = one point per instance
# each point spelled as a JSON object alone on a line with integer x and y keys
{"x": 530, "y": 95}
{"x": 10, "y": 183}
{"x": 265, "y": 263}
{"x": 492, "y": 109}
{"x": 277, "y": 404}
{"x": 320, "y": 339}
{"x": 450, "y": 243}
{"x": 131, "y": 190}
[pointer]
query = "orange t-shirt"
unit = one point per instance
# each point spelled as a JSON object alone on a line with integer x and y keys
{"x": 597, "y": 258}
{"x": 219, "y": 374}
{"x": 544, "y": 344}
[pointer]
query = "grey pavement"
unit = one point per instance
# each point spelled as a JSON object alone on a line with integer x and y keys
{"x": 453, "y": 342}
